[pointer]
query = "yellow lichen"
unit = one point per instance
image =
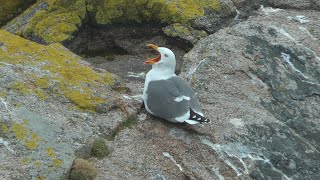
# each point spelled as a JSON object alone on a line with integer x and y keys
{"x": 61, "y": 19}
{"x": 22, "y": 133}
{"x": 57, "y": 162}
{"x": 108, "y": 11}
{"x": 31, "y": 144}
{"x": 41, "y": 178}
{"x": 73, "y": 80}
{"x": 3, "y": 94}
{"x": 26, "y": 122}
{"x": 41, "y": 94}
{"x": 20, "y": 87}
{"x": 38, "y": 163}
{"x": 4, "y": 128}
{"x": 25, "y": 161}
{"x": 42, "y": 82}
{"x": 50, "y": 152}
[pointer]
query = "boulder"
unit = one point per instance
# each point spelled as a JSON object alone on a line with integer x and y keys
{"x": 48, "y": 102}
{"x": 258, "y": 83}
{"x": 10, "y": 8}
{"x": 49, "y": 21}
{"x": 57, "y": 21}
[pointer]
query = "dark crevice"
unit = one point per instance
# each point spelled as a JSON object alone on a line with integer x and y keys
{"x": 121, "y": 48}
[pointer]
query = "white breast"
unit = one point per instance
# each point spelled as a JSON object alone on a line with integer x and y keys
{"x": 154, "y": 75}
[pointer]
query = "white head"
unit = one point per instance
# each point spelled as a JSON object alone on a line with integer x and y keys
{"x": 165, "y": 60}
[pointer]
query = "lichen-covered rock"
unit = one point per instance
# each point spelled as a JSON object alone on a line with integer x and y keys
{"x": 48, "y": 98}
{"x": 56, "y": 70}
{"x": 11, "y": 8}
{"x": 50, "y": 21}
{"x": 108, "y": 11}
{"x": 185, "y": 33}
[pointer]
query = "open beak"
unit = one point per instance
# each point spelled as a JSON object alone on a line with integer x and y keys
{"x": 156, "y": 59}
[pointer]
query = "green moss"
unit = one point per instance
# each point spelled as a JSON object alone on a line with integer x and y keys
{"x": 58, "y": 22}
{"x": 73, "y": 80}
{"x": 83, "y": 170}
{"x": 128, "y": 123}
{"x": 108, "y": 11}
{"x": 99, "y": 148}
{"x": 179, "y": 30}
{"x": 62, "y": 18}
{"x": 10, "y": 8}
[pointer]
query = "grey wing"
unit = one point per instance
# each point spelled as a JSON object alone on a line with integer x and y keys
{"x": 163, "y": 93}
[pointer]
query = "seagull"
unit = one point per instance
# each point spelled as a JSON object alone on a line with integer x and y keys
{"x": 167, "y": 95}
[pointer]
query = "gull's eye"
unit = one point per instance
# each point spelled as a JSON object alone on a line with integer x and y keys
{"x": 166, "y": 55}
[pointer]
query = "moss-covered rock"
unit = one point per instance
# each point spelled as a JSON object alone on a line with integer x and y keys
{"x": 108, "y": 11}
{"x": 55, "y": 70}
{"x": 48, "y": 98}
{"x": 51, "y": 21}
{"x": 83, "y": 170}
{"x": 11, "y": 8}
{"x": 186, "y": 33}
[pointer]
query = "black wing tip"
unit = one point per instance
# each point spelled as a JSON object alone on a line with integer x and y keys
{"x": 206, "y": 121}
{"x": 198, "y": 117}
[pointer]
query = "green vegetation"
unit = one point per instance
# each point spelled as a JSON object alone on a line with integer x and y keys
{"x": 128, "y": 123}
{"x": 108, "y": 11}
{"x": 83, "y": 170}
{"x": 99, "y": 148}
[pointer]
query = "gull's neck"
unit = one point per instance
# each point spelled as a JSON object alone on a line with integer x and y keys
{"x": 161, "y": 72}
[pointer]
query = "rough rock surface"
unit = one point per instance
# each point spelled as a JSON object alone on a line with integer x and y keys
{"x": 49, "y": 98}
{"x": 258, "y": 83}
{"x": 260, "y": 80}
